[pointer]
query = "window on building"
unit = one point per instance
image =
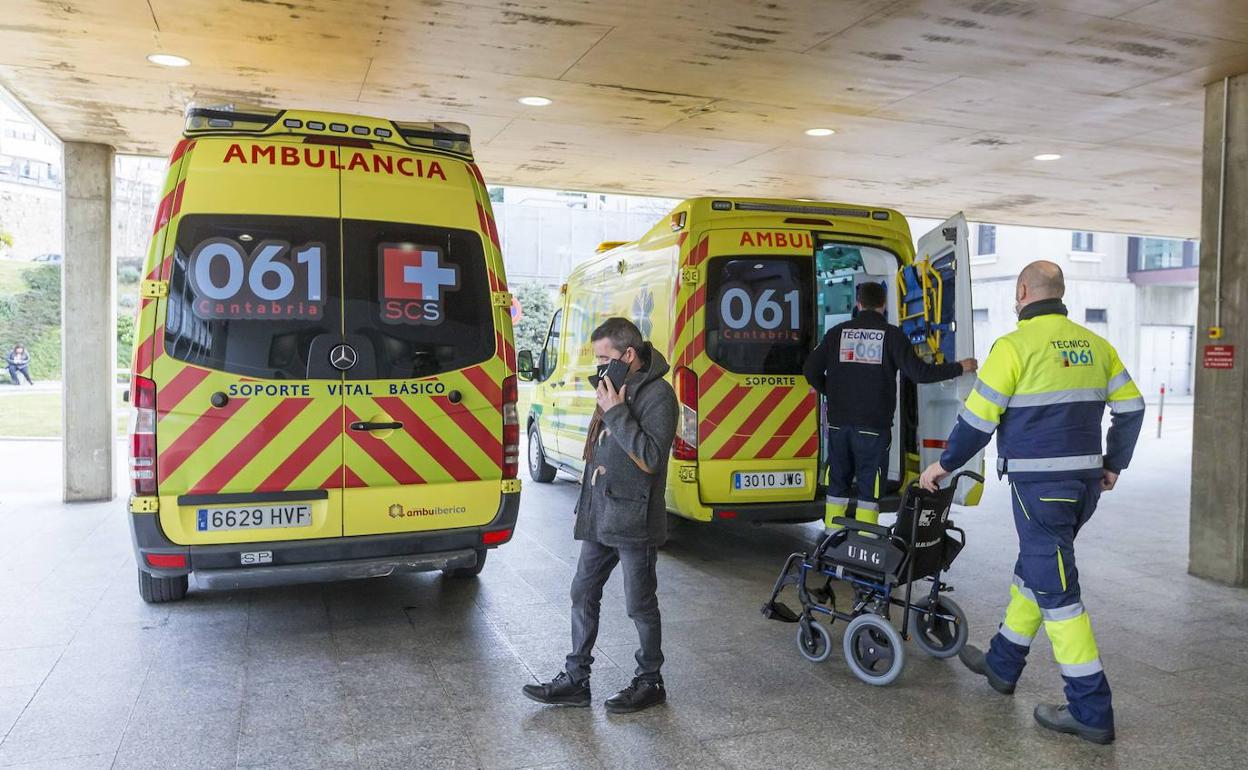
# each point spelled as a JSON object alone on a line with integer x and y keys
{"x": 1080, "y": 241}
{"x": 1096, "y": 315}
{"x": 1160, "y": 254}
{"x": 986, "y": 240}
{"x": 979, "y": 315}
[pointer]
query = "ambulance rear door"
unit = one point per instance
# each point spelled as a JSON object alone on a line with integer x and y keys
{"x": 943, "y": 269}
{"x": 423, "y": 397}
{"x": 249, "y": 416}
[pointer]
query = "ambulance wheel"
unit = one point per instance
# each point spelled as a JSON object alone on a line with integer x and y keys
{"x": 469, "y": 572}
{"x": 814, "y": 641}
{"x": 539, "y": 470}
{"x": 873, "y": 650}
{"x": 157, "y": 590}
{"x": 935, "y": 636}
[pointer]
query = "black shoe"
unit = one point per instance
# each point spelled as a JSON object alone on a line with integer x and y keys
{"x": 560, "y": 691}
{"x": 1060, "y": 719}
{"x": 973, "y": 658}
{"x": 639, "y": 695}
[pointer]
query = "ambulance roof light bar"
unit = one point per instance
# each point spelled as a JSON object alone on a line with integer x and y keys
{"x": 211, "y": 118}
{"x": 790, "y": 208}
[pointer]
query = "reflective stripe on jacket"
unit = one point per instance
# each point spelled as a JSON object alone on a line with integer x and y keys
{"x": 1043, "y": 389}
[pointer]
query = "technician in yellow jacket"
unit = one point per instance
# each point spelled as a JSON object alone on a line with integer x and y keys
{"x": 1043, "y": 389}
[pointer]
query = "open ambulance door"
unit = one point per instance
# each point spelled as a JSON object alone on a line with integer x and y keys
{"x": 944, "y": 333}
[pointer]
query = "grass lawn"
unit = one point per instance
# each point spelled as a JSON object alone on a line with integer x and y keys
{"x": 38, "y": 415}
{"x": 11, "y": 276}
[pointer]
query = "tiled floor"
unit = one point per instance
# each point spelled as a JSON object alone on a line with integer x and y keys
{"x": 420, "y": 671}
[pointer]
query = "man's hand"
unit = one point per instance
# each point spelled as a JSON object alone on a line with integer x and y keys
{"x": 932, "y": 476}
{"x": 969, "y": 365}
{"x": 1108, "y": 480}
{"x": 608, "y": 396}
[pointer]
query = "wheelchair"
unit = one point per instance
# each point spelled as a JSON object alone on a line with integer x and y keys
{"x": 875, "y": 562}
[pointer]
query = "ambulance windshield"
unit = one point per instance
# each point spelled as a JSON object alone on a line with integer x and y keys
{"x": 758, "y": 313}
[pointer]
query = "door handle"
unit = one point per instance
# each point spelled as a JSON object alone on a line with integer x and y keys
{"x": 376, "y": 425}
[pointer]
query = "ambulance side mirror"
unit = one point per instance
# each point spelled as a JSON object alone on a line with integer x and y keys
{"x": 525, "y": 368}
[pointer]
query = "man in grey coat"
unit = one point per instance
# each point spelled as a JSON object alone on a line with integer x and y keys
{"x": 621, "y": 517}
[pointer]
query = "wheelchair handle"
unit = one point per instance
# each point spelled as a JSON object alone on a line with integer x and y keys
{"x": 971, "y": 474}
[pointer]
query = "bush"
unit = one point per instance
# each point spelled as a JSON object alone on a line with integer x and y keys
{"x": 537, "y": 308}
{"x": 129, "y": 275}
{"x": 125, "y": 339}
{"x": 33, "y": 319}
{"x": 45, "y": 355}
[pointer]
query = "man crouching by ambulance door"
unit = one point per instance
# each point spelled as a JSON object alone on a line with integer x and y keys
{"x": 621, "y": 517}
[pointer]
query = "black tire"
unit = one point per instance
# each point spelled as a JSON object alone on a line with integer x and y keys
{"x": 158, "y": 590}
{"x": 939, "y": 638}
{"x": 873, "y": 650}
{"x": 814, "y": 644}
{"x": 469, "y": 572}
{"x": 539, "y": 470}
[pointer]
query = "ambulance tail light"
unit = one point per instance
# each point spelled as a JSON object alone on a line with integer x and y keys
{"x": 511, "y": 429}
{"x": 143, "y": 437}
{"x": 686, "y": 444}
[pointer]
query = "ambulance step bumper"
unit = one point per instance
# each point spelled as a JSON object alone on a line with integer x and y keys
{"x": 324, "y": 572}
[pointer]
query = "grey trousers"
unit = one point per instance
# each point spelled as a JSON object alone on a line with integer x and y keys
{"x": 640, "y": 583}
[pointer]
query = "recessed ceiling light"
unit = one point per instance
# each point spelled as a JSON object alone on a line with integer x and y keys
{"x": 534, "y": 101}
{"x": 168, "y": 60}
{"x": 820, "y": 132}
{"x": 1047, "y": 156}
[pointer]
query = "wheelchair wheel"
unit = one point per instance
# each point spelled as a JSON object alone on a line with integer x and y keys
{"x": 939, "y": 638}
{"x": 873, "y": 650}
{"x": 814, "y": 641}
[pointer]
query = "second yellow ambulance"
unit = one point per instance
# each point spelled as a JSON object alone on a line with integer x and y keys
{"x": 735, "y": 293}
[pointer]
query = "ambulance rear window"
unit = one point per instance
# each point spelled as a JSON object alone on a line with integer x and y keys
{"x": 417, "y": 299}
{"x": 758, "y": 313}
{"x": 252, "y": 295}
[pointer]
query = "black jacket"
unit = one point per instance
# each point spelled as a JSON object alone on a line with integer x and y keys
{"x": 860, "y": 382}
{"x": 622, "y": 490}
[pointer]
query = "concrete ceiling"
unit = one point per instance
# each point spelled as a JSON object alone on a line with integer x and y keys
{"x": 938, "y": 105}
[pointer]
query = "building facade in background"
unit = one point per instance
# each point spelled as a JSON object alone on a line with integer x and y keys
{"x": 30, "y": 184}
{"x": 1137, "y": 292}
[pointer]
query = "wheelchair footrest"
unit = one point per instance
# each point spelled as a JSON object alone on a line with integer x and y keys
{"x": 779, "y": 611}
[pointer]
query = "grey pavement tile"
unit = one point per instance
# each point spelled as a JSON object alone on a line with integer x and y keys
{"x": 86, "y": 762}
{"x": 313, "y": 745}
{"x": 401, "y": 750}
{"x": 63, "y": 729}
{"x": 378, "y": 672}
{"x": 293, "y": 704}
{"x": 28, "y": 665}
{"x": 182, "y": 738}
{"x": 13, "y": 701}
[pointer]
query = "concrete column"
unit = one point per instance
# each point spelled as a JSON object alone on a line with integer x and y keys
{"x": 1219, "y": 511}
{"x": 88, "y": 339}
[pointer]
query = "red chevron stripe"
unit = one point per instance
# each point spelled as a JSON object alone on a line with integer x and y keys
{"x": 746, "y": 431}
{"x": 432, "y": 443}
{"x": 721, "y": 410}
{"x": 385, "y": 456}
{"x": 143, "y": 355}
{"x": 180, "y": 149}
{"x": 178, "y": 191}
{"x": 351, "y": 479}
{"x": 312, "y": 447}
{"x": 334, "y": 481}
{"x": 485, "y": 385}
{"x": 168, "y": 397}
{"x": 204, "y": 427}
{"x": 162, "y": 212}
{"x": 477, "y": 173}
{"x": 708, "y": 380}
{"x": 250, "y": 446}
{"x": 482, "y": 436}
{"x": 786, "y": 429}
{"x": 810, "y": 448}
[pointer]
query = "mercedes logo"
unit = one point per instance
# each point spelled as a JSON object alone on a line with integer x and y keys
{"x": 343, "y": 357}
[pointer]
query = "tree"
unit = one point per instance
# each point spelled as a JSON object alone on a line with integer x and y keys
{"x": 537, "y": 306}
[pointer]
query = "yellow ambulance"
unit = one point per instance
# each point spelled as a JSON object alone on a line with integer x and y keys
{"x": 323, "y": 380}
{"x": 736, "y": 292}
